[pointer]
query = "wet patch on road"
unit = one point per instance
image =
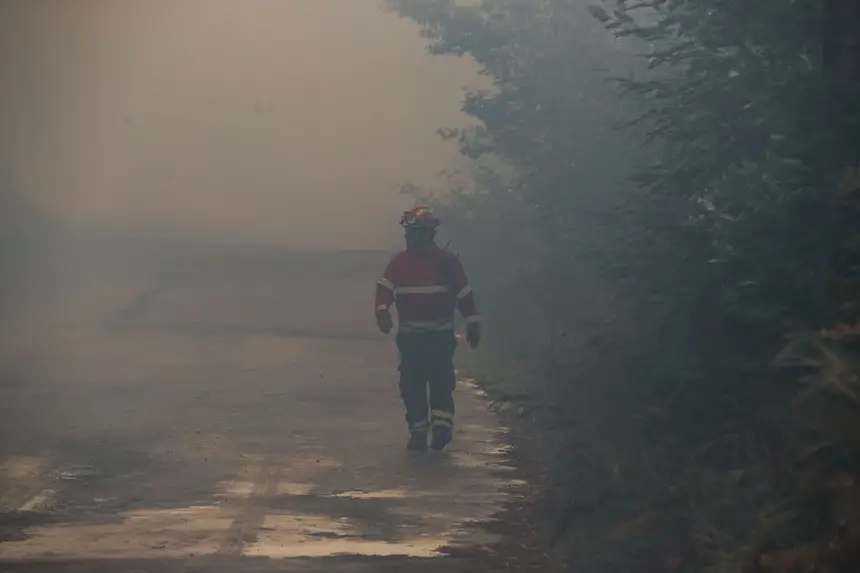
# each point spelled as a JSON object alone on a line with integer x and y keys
{"x": 206, "y": 437}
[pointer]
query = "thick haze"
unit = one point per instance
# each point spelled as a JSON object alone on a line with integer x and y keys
{"x": 287, "y": 121}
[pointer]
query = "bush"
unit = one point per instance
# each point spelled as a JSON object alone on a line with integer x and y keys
{"x": 658, "y": 282}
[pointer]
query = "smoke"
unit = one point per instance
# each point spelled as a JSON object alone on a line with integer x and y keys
{"x": 290, "y": 122}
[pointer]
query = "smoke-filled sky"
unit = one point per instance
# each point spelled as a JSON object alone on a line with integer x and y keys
{"x": 288, "y": 121}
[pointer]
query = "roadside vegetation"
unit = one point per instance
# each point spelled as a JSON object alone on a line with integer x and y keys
{"x": 663, "y": 223}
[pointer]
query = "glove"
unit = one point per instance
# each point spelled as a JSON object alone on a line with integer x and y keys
{"x": 383, "y": 321}
{"x": 473, "y": 334}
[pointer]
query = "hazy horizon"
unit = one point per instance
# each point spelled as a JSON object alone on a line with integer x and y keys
{"x": 266, "y": 121}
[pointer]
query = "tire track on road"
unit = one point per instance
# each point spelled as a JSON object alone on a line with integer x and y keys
{"x": 23, "y": 480}
{"x": 252, "y": 513}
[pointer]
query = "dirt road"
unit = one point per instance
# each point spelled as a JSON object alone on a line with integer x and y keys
{"x": 216, "y": 414}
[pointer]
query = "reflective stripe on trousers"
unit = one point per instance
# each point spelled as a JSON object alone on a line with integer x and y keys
{"x": 441, "y": 418}
{"x": 426, "y": 362}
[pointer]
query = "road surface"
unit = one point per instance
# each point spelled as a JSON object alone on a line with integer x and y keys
{"x": 223, "y": 414}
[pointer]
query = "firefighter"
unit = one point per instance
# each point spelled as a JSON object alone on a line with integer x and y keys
{"x": 427, "y": 284}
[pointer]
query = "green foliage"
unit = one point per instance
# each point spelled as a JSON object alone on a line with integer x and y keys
{"x": 666, "y": 261}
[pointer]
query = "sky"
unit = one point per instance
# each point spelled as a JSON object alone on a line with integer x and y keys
{"x": 279, "y": 121}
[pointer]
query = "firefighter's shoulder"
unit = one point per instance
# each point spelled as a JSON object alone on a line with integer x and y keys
{"x": 397, "y": 258}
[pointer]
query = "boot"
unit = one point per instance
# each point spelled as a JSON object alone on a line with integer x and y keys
{"x": 442, "y": 436}
{"x": 417, "y": 441}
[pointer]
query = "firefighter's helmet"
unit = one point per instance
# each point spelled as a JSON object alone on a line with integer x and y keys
{"x": 420, "y": 216}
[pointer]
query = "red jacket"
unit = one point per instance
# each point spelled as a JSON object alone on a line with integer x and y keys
{"x": 426, "y": 289}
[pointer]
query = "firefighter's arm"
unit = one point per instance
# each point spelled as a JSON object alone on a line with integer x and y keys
{"x": 385, "y": 298}
{"x": 466, "y": 303}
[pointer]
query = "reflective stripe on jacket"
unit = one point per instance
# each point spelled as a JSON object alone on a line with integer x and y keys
{"x": 426, "y": 289}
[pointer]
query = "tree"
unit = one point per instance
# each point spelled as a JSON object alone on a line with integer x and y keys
{"x": 665, "y": 300}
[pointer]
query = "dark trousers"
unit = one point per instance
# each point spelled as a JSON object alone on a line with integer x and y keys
{"x": 427, "y": 362}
